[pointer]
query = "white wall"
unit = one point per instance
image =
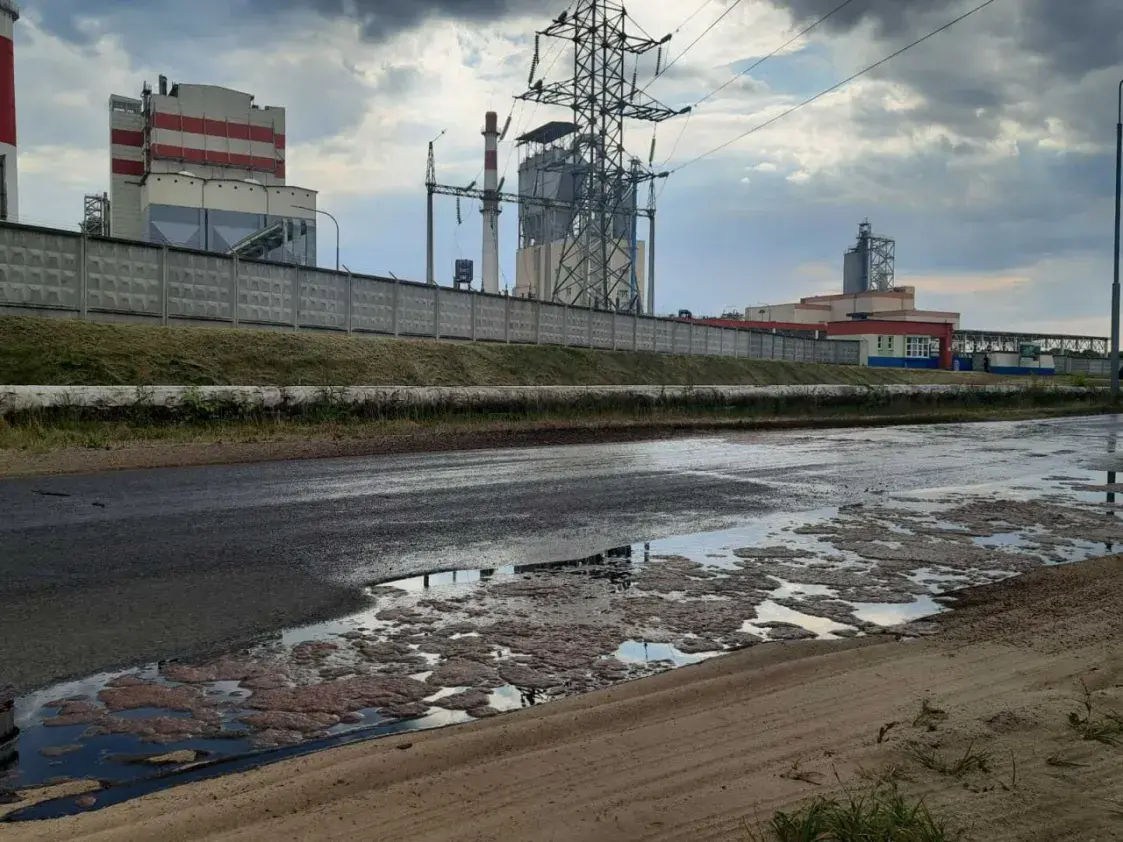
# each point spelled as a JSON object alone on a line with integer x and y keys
{"x": 231, "y": 195}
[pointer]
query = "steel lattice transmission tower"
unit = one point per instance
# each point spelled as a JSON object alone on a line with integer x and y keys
{"x": 595, "y": 264}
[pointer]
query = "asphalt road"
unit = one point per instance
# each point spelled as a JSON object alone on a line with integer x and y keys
{"x": 104, "y": 571}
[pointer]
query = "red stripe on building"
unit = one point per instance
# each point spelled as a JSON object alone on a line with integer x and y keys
{"x": 211, "y": 156}
{"x": 280, "y": 170}
{"x": 747, "y": 325}
{"x": 213, "y": 128}
{"x": 7, "y": 93}
{"x": 123, "y": 167}
{"x": 125, "y": 137}
{"x": 279, "y": 141}
{"x": 491, "y": 160}
{"x": 875, "y": 327}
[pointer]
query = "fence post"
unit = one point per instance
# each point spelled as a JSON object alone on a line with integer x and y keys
{"x": 164, "y": 285}
{"x": 589, "y": 326}
{"x": 350, "y": 306}
{"x": 690, "y": 338}
{"x": 436, "y": 312}
{"x": 655, "y": 335}
{"x": 83, "y": 277}
{"x": 472, "y": 313}
{"x": 537, "y": 322}
{"x": 507, "y": 319}
{"x": 613, "y": 332}
{"x": 635, "y": 331}
{"x": 772, "y": 354}
{"x": 565, "y": 325}
{"x": 234, "y": 291}
{"x": 394, "y": 308}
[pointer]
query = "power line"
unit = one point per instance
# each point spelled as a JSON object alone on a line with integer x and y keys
{"x": 782, "y": 47}
{"x": 835, "y": 87}
{"x": 704, "y": 33}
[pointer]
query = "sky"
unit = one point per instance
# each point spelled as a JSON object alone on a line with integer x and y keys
{"x": 987, "y": 152}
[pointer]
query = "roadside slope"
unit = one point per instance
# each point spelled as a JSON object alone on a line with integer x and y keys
{"x": 700, "y": 753}
{"x": 46, "y": 352}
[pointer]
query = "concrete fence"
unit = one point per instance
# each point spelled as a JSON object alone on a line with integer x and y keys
{"x": 1079, "y": 365}
{"x": 50, "y": 272}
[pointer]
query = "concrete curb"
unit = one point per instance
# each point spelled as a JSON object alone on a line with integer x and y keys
{"x": 24, "y": 398}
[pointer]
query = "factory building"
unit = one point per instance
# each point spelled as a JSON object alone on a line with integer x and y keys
{"x": 9, "y": 171}
{"x": 549, "y": 170}
{"x": 203, "y": 166}
{"x": 871, "y": 310}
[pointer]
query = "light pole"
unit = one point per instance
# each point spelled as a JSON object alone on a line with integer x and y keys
{"x": 333, "y": 219}
{"x": 1115, "y": 282}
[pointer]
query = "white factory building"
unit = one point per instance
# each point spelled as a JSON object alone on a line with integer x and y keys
{"x": 203, "y": 166}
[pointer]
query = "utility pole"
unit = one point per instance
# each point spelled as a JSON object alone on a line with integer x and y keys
{"x": 595, "y": 265}
{"x": 1115, "y": 282}
{"x": 430, "y": 189}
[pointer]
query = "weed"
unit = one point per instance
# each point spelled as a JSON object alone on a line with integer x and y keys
{"x": 1080, "y": 380}
{"x": 931, "y": 758}
{"x": 797, "y": 774}
{"x": 884, "y": 730}
{"x": 886, "y": 776}
{"x": 882, "y": 814}
{"x": 1102, "y": 727}
{"x": 1057, "y": 760}
{"x": 929, "y": 716}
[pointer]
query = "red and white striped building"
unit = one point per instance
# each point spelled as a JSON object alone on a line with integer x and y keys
{"x": 203, "y": 156}
{"x": 9, "y": 174}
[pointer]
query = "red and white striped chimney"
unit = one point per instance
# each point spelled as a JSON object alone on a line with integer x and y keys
{"x": 489, "y": 273}
{"x": 9, "y": 179}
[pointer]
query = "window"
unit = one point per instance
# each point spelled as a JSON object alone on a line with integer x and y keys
{"x": 885, "y": 345}
{"x": 917, "y": 347}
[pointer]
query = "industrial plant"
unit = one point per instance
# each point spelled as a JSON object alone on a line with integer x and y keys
{"x": 202, "y": 168}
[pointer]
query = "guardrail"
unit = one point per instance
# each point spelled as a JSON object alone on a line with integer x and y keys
{"x": 51, "y": 272}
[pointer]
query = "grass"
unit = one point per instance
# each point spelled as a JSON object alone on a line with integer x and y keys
{"x": 1102, "y": 727}
{"x": 955, "y": 766}
{"x": 44, "y": 352}
{"x": 879, "y": 814}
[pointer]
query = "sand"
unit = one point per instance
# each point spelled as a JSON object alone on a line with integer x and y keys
{"x": 697, "y": 753}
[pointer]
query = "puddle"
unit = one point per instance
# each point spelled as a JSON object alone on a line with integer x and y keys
{"x": 458, "y": 645}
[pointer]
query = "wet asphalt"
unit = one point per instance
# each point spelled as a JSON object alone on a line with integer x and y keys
{"x": 110, "y": 570}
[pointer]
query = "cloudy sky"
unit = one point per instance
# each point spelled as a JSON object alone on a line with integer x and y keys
{"x": 987, "y": 152}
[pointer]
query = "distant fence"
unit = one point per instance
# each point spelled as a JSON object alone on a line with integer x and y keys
{"x": 1079, "y": 365}
{"x": 51, "y": 272}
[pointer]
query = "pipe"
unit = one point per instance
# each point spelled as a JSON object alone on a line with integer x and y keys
{"x": 489, "y": 274}
{"x": 651, "y": 264}
{"x": 9, "y": 188}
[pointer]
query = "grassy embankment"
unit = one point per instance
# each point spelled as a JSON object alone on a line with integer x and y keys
{"x": 49, "y": 352}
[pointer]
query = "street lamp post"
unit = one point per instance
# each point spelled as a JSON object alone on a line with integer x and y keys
{"x": 1115, "y": 282}
{"x": 333, "y": 219}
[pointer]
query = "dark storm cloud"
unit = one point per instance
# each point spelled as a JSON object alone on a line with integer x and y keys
{"x": 378, "y": 18}
{"x": 1074, "y": 36}
{"x": 382, "y": 18}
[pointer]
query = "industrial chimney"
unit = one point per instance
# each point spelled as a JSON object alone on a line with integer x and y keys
{"x": 9, "y": 180}
{"x": 490, "y": 209}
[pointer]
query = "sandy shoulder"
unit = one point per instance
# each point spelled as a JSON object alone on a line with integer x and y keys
{"x": 696, "y": 753}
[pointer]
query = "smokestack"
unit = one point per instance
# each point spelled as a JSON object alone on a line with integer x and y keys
{"x": 490, "y": 210}
{"x": 9, "y": 178}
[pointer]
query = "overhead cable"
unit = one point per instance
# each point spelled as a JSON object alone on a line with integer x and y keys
{"x": 835, "y": 87}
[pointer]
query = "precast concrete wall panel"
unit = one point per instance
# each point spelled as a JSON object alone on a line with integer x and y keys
{"x": 39, "y": 268}
{"x": 665, "y": 336}
{"x": 264, "y": 293}
{"x": 372, "y": 305}
{"x": 715, "y": 338}
{"x": 602, "y": 329}
{"x": 124, "y": 277}
{"x": 741, "y": 341}
{"x": 454, "y": 314}
{"x": 416, "y": 310}
{"x": 200, "y": 286}
{"x": 490, "y": 312}
{"x": 323, "y": 299}
{"x": 522, "y": 318}
{"x": 577, "y": 327}
{"x": 645, "y": 335}
{"x": 551, "y": 317}
{"x": 757, "y": 345}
